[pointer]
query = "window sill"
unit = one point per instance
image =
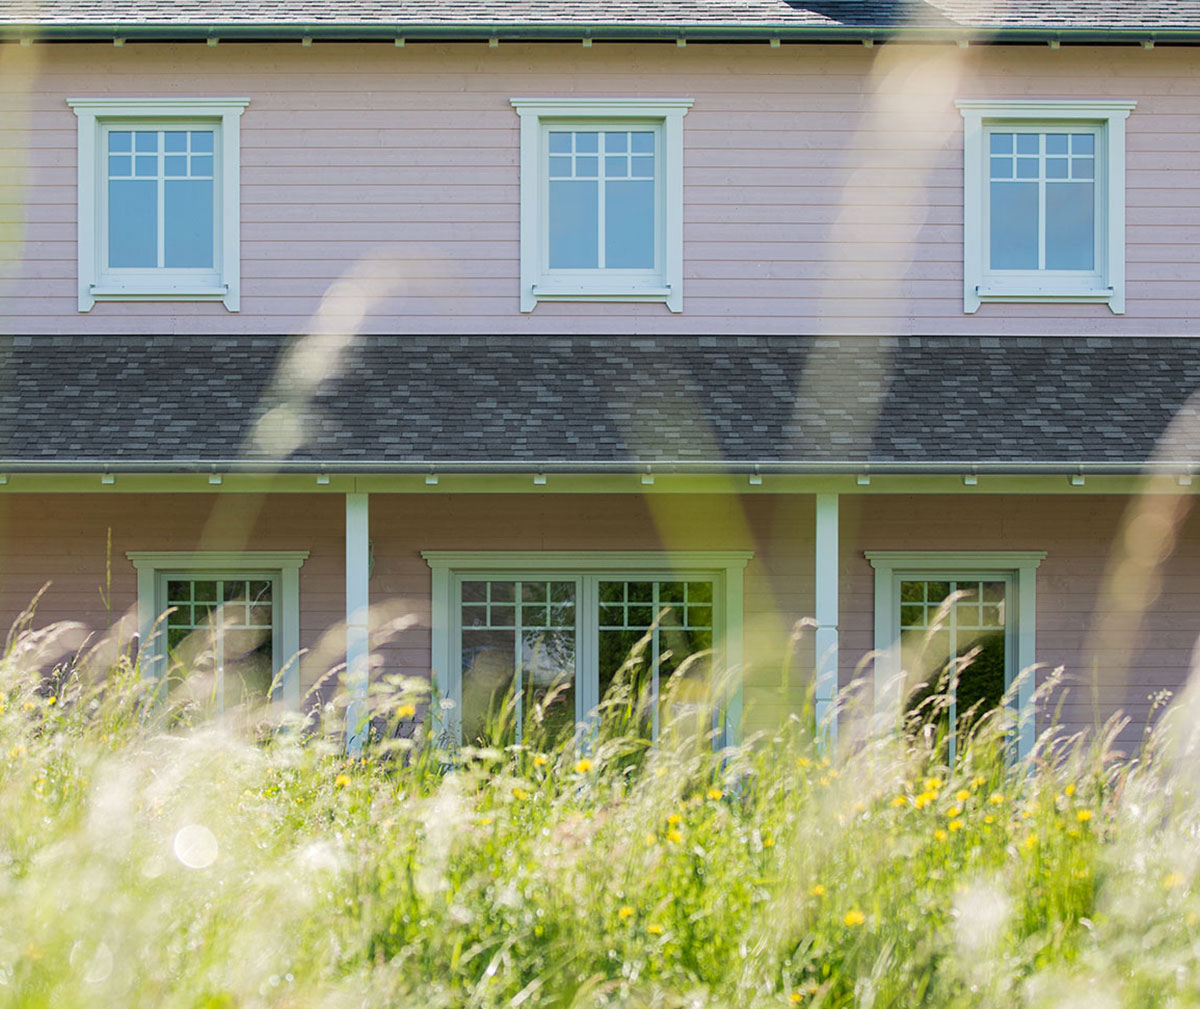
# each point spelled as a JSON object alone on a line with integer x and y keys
{"x": 166, "y": 292}
{"x": 609, "y": 293}
{"x": 1043, "y": 294}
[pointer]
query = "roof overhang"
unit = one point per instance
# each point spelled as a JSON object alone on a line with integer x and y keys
{"x": 243, "y": 31}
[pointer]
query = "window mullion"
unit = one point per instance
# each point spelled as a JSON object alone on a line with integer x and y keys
{"x": 654, "y": 653}
{"x": 1041, "y": 201}
{"x": 601, "y": 198}
{"x": 518, "y": 657}
{"x": 162, "y": 199}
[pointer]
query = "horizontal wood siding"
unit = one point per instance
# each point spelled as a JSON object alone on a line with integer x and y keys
{"x": 1118, "y": 649}
{"x": 58, "y": 541}
{"x": 823, "y": 184}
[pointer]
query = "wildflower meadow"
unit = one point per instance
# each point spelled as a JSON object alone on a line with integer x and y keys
{"x": 244, "y": 863}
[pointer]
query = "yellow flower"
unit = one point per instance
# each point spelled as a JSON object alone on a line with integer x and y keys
{"x": 989, "y": 818}
{"x": 715, "y": 793}
{"x": 978, "y": 782}
{"x": 996, "y": 798}
{"x": 520, "y": 794}
{"x": 768, "y": 842}
{"x": 854, "y": 917}
{"x": 933, "y": 784}
{"x": 1030, "y": 841}
{"x": 654, "y": 929}
{"x": 53, "y": 701}
{"x": 652, "y": 839}
{"x": 1083, "y": 815}
{"x": 583, "y": 765}
{"x": 540, "y": 760}
{"x": 900, "y": 800}
{"x": 625, "y": 913}
{"x": 674, "y": 836}
{"x": 1173, "y": 880}
{"x": 955, "y": 825}
{"x": 953, "y": 811}
{"x": 940, "y": 835}
{"x": 406, "y": 710}
{"x": 962, "y": 795}
{"x": 1069, "y": 791}
{"x": 342, "y": 780}
{"x": 486, "y": 821}
{"x": 674, "y": 820}
{"x": 796, "y": 998}
{"x": 817, "y": 890}
{"x": 28, "y": 706}
{"x": 924, "y": 799}
{"x": 804, "y": 762}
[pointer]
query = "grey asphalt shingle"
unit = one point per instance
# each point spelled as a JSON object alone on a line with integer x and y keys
{"x": 969, "y": 14}
{"x": 403, "y": 400}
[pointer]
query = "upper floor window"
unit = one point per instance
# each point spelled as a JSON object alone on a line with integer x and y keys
{"x": 158, "y": 200}
{"x": 601, "y": 200}
{"x": 1044, "y": 215}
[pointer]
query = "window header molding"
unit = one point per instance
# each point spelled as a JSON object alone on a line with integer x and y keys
{"x": 588, "y": 560}
{"x": 1047, "y": 108}
{"x": 215, "y": 560}
{"x": 955, "y": 560}
{"x": 165, "y": 107}
{"x": 650, "y": 107}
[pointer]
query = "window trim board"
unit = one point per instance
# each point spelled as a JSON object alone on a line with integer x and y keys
{"x": 1022, "y": 565}
{"x": 92, "y": 114}
{"x": 150, "y": 564}
{"x": 449, "y": 567}
{"x": 667, "y": 115}
{"x": 1110, "y": 116}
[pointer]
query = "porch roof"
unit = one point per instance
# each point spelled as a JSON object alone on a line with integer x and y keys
{"x": 597, "y": 403}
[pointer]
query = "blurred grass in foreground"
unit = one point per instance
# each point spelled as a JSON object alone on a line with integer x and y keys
{"x": 227, "y": 866}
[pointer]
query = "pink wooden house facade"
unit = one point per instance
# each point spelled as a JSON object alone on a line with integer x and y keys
{"x": 530, "y": 321}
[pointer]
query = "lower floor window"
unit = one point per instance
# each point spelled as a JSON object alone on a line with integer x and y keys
{"x": 954, "y": 636}
{"x": 958, "y": 623}
{"x": 553, "y": 635}
{"x": 221, "y": 637}
{"x": 221, "y": 628}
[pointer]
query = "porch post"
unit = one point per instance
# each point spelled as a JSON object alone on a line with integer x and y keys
{"x": 358, "y": 560}
{"x": 826, "y": 586}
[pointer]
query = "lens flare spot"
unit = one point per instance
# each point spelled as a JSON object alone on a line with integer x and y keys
{"x": 196, "y": 846}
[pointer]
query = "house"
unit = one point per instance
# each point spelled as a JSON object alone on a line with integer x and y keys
{"x": 532, "y": 320}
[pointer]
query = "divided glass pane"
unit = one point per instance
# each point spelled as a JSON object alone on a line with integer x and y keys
{"x": 517, "y": 632}
{"x": 941, "y": 621}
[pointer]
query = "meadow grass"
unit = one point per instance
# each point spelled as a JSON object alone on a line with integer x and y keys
{"x": 227, "y": 865}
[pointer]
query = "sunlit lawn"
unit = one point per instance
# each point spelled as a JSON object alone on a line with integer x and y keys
{"x": 223, "y": 867}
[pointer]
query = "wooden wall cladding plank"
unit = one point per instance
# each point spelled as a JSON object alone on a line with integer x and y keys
{"x": 822, "y": 183}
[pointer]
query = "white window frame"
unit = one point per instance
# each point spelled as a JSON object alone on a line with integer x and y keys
{"x": 95, "y": 117}
{"x": 1106, "y": 284}
{"x": 891, "y": 566}
{"x": 450, "y": 568}
{"x": 538, "y": 282}
{"x": 282, "y": 566}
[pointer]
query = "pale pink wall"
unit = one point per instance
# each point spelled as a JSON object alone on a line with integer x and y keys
{"x": 1081, "y": 537}
{"x": 778, "y": 581}
{"x": 823, "y": 184}
{"x": 60, "y": 539}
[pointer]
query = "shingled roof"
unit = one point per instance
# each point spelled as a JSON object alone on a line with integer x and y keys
{"x": 596, "y": 403}
{"x": 545, "y": 18}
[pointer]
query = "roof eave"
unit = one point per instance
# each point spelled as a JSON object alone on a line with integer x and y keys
{"x": 416, "y": 32}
